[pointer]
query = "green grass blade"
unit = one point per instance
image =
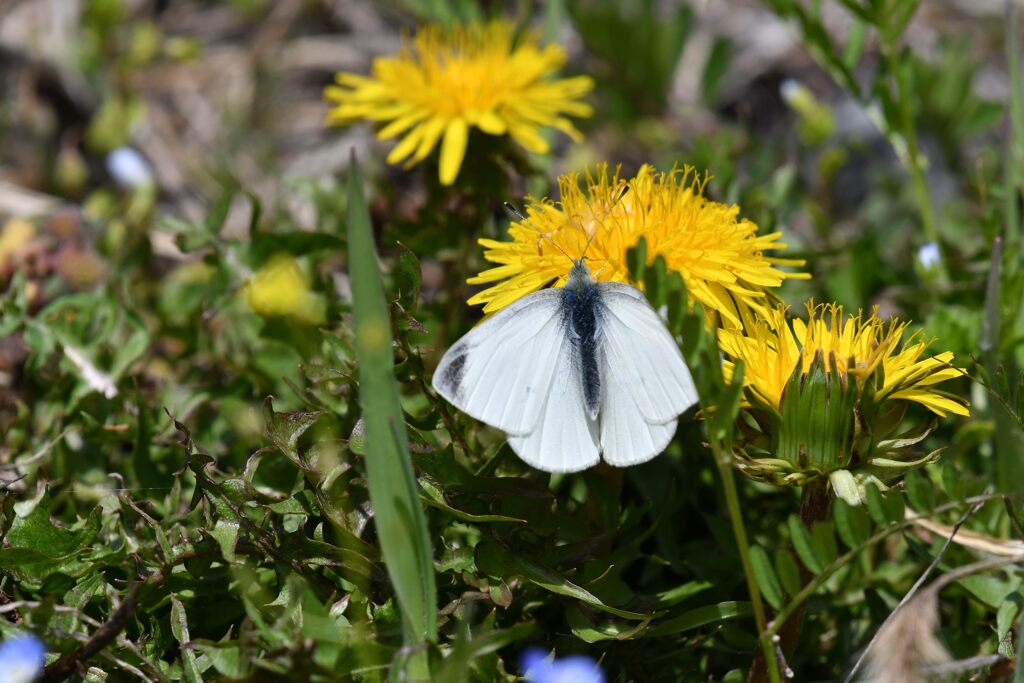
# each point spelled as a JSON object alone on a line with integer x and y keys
{"x": 401, "y": 524}
{"x": 1015, "y": 152}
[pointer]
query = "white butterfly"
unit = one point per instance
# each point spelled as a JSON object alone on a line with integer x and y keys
{"x": 572, "y": 374}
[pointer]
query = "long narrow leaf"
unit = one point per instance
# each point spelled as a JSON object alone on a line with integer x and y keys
{"x": 804, "y": 545}
{"x": 765, "y": 575}
{"x": 401, "y": 524}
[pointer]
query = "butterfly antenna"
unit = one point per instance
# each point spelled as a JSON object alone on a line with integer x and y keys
{"x": 610, "y": 209}
{"x": 525, "y": 221}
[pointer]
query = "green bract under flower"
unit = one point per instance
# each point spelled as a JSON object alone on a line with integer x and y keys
{"x": 828, "y": 397}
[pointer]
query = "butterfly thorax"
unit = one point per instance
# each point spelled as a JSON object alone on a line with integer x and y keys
{"x": 581, "y": 311}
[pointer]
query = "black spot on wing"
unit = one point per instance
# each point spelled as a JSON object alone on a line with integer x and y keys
{"x": 451, "y": 376}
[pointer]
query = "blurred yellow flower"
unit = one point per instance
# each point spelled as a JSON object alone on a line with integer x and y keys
{"x": 282, "y": 288}
{"x": 719, "y": 255}
{"x": 15, "y": 236}
{"x": 448, "y": 79}
{"x": 772, "y": 347}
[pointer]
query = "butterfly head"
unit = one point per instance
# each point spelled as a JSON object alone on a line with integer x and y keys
{"x": 579, "y": 275}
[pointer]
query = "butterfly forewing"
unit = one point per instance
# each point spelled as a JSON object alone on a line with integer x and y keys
{"x": 642, "y": 356}
{"x": 502, "y": 370}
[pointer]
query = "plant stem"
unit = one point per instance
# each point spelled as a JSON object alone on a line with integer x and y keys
{"x": 1015, "y": 153}
{"x": 815, "y": 502}
{"x": 723, "y": 459}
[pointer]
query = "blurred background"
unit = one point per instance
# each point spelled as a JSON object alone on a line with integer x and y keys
{"x": 208, "y": 95}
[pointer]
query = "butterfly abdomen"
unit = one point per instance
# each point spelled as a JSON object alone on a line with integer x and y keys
{"x": 581, "y": 312}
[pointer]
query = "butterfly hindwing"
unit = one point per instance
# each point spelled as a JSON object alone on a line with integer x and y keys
{"x": 646, "y": 384}
{"x": 626, "y": 437}
{"x": 565, "y": 438}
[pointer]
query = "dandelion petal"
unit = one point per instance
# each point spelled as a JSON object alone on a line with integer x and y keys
{"x": 453, "y": 148}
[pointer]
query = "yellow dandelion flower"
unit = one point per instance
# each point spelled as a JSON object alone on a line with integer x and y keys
{"x": 282, "y": 288}
{"x": 450, "y": 79}
{"x": 771, "y": 349}
{"x": 719, "y": 255}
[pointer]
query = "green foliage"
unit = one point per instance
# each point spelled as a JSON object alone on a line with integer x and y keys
{"x": 636, "y": 85}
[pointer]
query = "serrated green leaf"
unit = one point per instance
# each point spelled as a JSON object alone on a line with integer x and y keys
{"x": 434, "y": 497}
{"x": 225, "y": 657}
{"x": 179, "y": 627}
{"x": 285, "y": 430}
{"x": 225, "y": 532}
{"x": 36, "y": 547}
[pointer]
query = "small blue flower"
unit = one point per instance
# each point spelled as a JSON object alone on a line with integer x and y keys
{"x": 21, "y": 659}
{"x": 128, "y": 168}
{"x": 929, "y": 255}
{"x": 538, "y": 667}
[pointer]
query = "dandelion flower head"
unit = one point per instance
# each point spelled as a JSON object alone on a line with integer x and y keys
{"x": 448, "y": 79}
{"x": 720, "y": 256}
{"x": 771, "y": 349}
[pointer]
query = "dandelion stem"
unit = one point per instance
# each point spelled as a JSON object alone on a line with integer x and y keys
{"x": 815, "y": 501}
{"x": 723, "y": 459}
